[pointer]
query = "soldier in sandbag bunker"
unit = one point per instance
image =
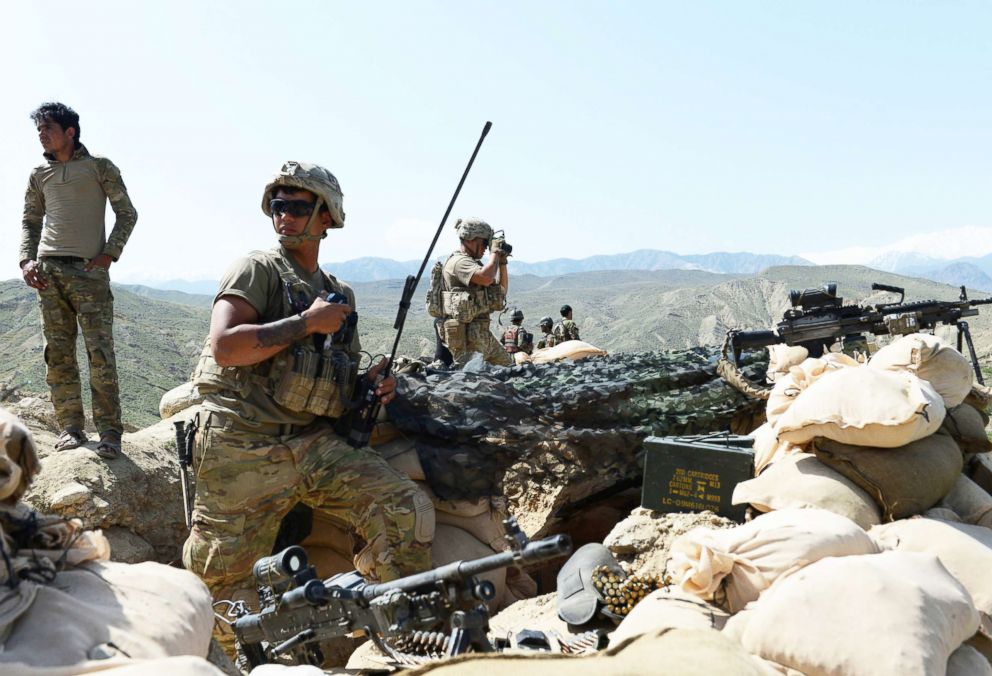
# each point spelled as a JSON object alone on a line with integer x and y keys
{"x": 277, "y": 373}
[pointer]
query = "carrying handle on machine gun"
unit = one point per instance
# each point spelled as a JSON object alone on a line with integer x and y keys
{"x": 368, "y": 411}
{"x": 875, "y": 286}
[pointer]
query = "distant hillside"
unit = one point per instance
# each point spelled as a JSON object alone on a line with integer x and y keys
{"x": 156, "y": 344}
{"x": 956, "y": 274}
{"x": 634, "y": 310}
{"x": 180, "y": 297}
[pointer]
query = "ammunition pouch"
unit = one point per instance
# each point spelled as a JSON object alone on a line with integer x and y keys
{"x": 464, "y": 305}
{"x": 306, "y": 381}
{"x": 460, "y": 305}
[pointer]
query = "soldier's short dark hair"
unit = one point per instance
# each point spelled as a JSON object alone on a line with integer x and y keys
{"x": 565, "y": 309}
{"x": 59, "y": 113}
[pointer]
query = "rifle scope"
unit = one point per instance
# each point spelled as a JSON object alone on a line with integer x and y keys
{"x": 278, "y": 568}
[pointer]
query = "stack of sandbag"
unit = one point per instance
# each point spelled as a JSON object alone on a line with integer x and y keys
{"x": 464, "y": 529}
{"x": 66, "y": 609}
{"x": 874, "y": 442}
{"x": 733, "y": 567}
{"x": 808, "y": 591}
{"x": 889, "y": 613}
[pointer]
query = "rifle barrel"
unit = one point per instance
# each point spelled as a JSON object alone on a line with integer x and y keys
{"x": 533, "y": 552}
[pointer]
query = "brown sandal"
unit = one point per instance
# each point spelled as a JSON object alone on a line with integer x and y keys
{"x": 109, "y": 446}
{"x": 71, "y": 437}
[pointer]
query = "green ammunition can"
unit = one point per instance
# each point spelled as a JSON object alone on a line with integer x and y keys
{"x": 696, "y": 473}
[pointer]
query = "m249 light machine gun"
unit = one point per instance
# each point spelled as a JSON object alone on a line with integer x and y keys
{"x": 298, "y": 610}
{"x": 818, "y": 318}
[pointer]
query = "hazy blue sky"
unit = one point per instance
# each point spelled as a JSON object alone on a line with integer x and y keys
{"x": 773, "y": 127}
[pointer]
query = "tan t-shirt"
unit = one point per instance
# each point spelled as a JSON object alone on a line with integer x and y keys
{"x": 459, "y": 269}
{"x": 258, "y": 283}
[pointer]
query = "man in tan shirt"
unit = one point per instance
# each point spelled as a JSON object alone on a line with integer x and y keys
{"x": 65, "y": 255}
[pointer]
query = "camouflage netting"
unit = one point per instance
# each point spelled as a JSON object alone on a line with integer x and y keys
{"x": 548, "y": 435}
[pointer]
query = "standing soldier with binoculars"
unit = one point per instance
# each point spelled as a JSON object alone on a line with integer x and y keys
{"x": 472, "y": 291}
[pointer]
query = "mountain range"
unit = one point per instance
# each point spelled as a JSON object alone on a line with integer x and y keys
{"x": 376, "y": 269}
{"x": 959, "y": 256}
{"x": 371, "y": 269}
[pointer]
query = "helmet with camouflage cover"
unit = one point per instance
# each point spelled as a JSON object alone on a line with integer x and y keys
{"x": 517, "y": 316}
{"x": 546, "y": 321}
{"x": 316, "y": 179}
{"x": 473, "y": 228}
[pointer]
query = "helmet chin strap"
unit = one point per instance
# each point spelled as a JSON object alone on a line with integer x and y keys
{"x": 307, "y": 236}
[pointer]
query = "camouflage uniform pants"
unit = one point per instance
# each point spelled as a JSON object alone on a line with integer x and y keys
{"x": 464, "y": 339}
{"x": 247, "y": 482}
{"x": 77, "y": 296}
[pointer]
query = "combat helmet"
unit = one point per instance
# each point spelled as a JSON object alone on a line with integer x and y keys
{"x": 472, "y": 228}
{"x": 319, "y": 181}
{"x": 546, "y": 321}
{"x": 517, "y": 315}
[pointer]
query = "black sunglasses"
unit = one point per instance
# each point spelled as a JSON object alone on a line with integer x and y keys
{"x": 292, "y": 207}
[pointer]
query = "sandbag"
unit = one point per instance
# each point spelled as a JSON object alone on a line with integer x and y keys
{"x": 980, "y": 470}
{"x": 966, "y": 661}
{"x": 800, "y": 480}
{"x": 178, "y": 399}
{"x": 888, "y": 613}
{"x": 865, "y": 407}
{"x": 668, "y": 608}
{"x": 768, "y": 448}
{"x": 980, "y": 397}
{"x": 682, "y": 652}
{"x": 782, "y": 357}
{"x": 146, "y": 610}
{"x": 931, "y": 359}
{"x": 733, "y": 567}
{"x": 970, "y": 502}
{"x": 966, "y": 551}
{"x": 183, "y": 665}
{"x": 570, "y": 349}
{"x": 798, "y": 378}
{"x": 454, "y": 544}
{"x": 329, "y": 546}
{"x": 966, "y": 425}
{"x": 903, "y": 481}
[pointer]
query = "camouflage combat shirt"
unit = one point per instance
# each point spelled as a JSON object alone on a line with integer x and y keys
{"x": 71, "y": 199}
{"x": 258, "y": 283}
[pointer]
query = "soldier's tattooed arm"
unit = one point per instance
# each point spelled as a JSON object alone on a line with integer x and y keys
{"x": 237, "y": 339}
{"x": 282, "y": 332}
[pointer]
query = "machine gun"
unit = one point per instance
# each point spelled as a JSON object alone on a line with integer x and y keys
{"x": 298, "y": 610}
{"x": 818, "y": 317}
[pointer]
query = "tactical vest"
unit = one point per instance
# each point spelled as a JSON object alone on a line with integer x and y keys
{"x": 510, "y": 339}
{"x": 566, "y": 330}
{"x": 465, "y": 304}
{"x": 314, "y": 375}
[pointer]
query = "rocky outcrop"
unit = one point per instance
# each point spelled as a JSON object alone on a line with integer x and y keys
{"x": 134, "y": 498}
